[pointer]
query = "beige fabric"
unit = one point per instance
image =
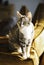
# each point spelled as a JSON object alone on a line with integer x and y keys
{"x": 38, "y": 28}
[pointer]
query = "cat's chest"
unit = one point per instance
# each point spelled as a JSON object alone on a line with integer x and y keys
{"x": 26, "y": 30}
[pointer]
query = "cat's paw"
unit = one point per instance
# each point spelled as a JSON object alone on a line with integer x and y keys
{"x": 19, "y": 50}
{"x": 25, "y": 56}
{"x": 28, "y": 55}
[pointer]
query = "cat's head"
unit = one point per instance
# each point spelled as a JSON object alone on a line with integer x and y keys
{"x": 24, "y": 20}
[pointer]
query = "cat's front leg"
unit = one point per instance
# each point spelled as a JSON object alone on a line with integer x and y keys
{"x": 28, "y": 51}
{"x": 24, "y": 52}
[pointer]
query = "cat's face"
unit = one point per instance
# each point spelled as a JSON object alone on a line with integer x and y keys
{"x": 23, "y": 20}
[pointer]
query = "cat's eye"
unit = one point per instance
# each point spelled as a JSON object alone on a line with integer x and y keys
{"x": 24, "y": 23}
{"x": 28, "y": 23}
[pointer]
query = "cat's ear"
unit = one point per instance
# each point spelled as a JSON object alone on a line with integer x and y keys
{"x": 29, "y": 15}
{"x": 18, "y": 14}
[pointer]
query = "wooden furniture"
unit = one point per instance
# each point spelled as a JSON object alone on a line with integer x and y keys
{"x": 6, "y": 11}
{"x": 4, "y": 44}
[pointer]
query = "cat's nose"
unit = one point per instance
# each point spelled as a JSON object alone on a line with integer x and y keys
{"x": 27, "y": 45}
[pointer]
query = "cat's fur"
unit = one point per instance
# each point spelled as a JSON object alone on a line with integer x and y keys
{"x": 22, "y": 34}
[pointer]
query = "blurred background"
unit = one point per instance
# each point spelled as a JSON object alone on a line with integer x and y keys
{"x": 8, "y": 19}
{"x": 31, "y": 4}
